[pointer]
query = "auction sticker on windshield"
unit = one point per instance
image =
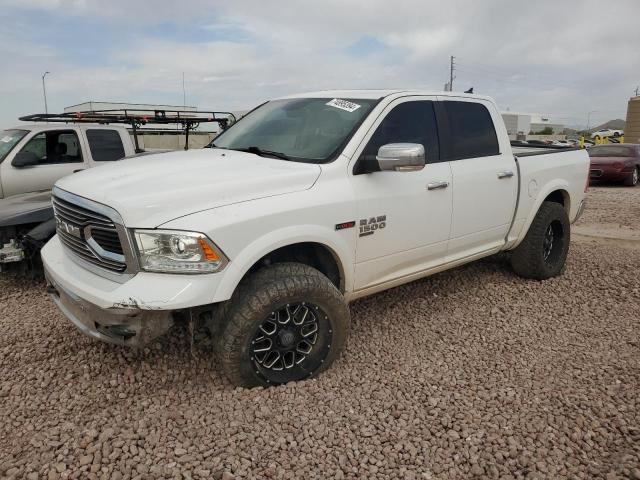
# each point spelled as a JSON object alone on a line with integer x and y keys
{"x": 343, "y": 105}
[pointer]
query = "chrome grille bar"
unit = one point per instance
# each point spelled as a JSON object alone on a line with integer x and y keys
{"x": 94, "y": 234}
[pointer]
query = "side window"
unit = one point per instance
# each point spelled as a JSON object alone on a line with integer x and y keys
{"x": 55, "y": 147}
{"x": 409, "y": 122}
{"x": 105, "y": 145}
{"x": 471, "y": 131}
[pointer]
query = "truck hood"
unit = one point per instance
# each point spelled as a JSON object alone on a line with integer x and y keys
{"x": 154, "y": 189}
{"x": 26, "y": 208}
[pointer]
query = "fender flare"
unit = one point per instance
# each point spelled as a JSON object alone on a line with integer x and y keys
{"x": 249, "y": 255}
{"x": 552, "y": 186}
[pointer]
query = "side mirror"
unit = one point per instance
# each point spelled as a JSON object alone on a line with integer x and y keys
{"x": 401, "y": 157}
{"x": 25, "y": 159}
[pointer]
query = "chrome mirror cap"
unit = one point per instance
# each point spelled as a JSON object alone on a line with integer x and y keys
{"x": 401, "y": 157}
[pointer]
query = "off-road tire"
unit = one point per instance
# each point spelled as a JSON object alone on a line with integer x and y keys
{"x": 528, "y": 259}
{"x": 632, "y": 180}
{"x": 258, "y": 296}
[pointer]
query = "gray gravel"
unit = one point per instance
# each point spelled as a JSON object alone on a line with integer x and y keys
{"x": 473, "y": 373}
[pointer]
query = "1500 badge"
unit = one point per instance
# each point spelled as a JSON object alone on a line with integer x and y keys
{"x": 368, "y": 226}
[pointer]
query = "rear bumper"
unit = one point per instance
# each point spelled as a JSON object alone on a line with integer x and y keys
{"x": 581, "y": 208}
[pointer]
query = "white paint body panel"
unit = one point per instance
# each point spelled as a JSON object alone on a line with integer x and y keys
{"x": 42, "y": 177}
{"x": 250, "y": 206}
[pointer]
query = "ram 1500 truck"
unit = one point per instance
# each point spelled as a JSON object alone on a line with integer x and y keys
{"x": 305, "y": 204}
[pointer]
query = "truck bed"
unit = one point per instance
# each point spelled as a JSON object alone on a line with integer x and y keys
{"x": 542, "y": 171}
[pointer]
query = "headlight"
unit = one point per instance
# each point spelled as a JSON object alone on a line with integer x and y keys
{"x": 173, "y": 251}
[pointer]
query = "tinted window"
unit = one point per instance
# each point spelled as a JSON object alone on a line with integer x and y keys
{"x": 409, "y": 122}
{"x": 105, "y": 145}
{"x": 55, "y": 147}
{"x": 611, "y": 151}
{"x": 471, "y": 131}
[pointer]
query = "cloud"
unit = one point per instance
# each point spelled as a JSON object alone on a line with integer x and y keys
{"x": 552, "y": 57}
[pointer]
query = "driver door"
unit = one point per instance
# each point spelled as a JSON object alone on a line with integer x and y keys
{"x": 59, "y": 154}
{"x": 404, "y": 218}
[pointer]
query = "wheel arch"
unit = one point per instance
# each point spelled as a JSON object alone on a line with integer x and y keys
{"x": 557, "y": 192}
{"x": 319, "y": 249}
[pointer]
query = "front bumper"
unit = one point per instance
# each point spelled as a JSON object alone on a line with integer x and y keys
{"x": 130, "y": 313}
{"x": 120, "y": 326}
{"x": 609, "y": 173}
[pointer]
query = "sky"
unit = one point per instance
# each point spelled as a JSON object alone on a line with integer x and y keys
{"x": 561, "y": 58}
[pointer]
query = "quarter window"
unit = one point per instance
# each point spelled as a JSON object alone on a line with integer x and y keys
{"x": 471, "y": 131}
{"x": 105, "y": 145}
{"x": 55, "y": 147}
{"x": 409, "y": 122}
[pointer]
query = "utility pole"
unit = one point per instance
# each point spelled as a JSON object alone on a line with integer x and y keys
{"x": 184, "y": 93}
{"x": 637, "y": 88}
{"x": 44, "y": 91}
{"x": 451, "y": 77}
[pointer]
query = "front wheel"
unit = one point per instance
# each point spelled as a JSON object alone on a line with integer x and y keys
{"x": 632, "y": 180}
{"x": 543, "y": 252}
{"x": 286, "y": 322}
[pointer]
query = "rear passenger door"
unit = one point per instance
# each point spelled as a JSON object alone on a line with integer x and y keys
{"x": 485, "y": 181}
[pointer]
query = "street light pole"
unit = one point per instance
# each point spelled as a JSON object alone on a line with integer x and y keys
{"x": 44, "y": 91}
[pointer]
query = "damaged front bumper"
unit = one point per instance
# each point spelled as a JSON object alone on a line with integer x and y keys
{"x": 121, "y": 326}
{"x": 129, "y": 312}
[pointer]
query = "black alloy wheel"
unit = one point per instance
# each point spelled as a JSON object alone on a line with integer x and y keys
{"x": 291, "y": 343}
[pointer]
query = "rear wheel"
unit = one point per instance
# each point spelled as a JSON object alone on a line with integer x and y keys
{"x": 286, "y": 322}
{"x": 543, "y": 252}
{"x": 632, "y": 180}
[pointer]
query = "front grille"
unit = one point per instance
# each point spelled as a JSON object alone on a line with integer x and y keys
{"x": 71, "y": 225}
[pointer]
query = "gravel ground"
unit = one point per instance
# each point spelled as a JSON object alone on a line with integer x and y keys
{"x": 473, "y": 373}
{"x": 612, "y": 207}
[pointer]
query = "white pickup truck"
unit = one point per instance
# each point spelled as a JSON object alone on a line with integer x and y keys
{"x": 307, "y": 203}
{"x": 33, "y": 157}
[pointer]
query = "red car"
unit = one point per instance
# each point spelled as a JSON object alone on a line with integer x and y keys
{"x": 617, "y": 163}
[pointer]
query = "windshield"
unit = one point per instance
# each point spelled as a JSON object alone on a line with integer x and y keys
{"x": 611, "y": 151}
{"x": 303, "y": 129}
{"x": 8, "y": 140}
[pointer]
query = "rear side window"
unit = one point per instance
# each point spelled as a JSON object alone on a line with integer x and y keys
{"x": 105, "y": 145}
{"x": 409, "y": 122}
{"x": 471, "y": 131}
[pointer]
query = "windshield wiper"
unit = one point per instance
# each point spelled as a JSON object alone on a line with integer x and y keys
{"x": 262, "y": 153}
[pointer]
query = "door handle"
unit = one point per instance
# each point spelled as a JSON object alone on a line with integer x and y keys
{"x": 79, "y": 170}
{"x": 505, "y": 174}
{"x": 437, "y": 185}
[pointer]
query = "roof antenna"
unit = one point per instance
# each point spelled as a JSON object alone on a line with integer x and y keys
{"x": 469, "y": 91}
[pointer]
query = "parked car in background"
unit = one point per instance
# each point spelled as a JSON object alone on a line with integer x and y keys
{"x": 308, "y": 203}
{"x": 33, "y": 157}
{"x": 616, "y": 163}
{"x": 606, "y": 133}
{"x": 563, "y": 143}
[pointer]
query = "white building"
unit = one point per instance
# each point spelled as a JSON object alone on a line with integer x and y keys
{"x": 519, "y": 123}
